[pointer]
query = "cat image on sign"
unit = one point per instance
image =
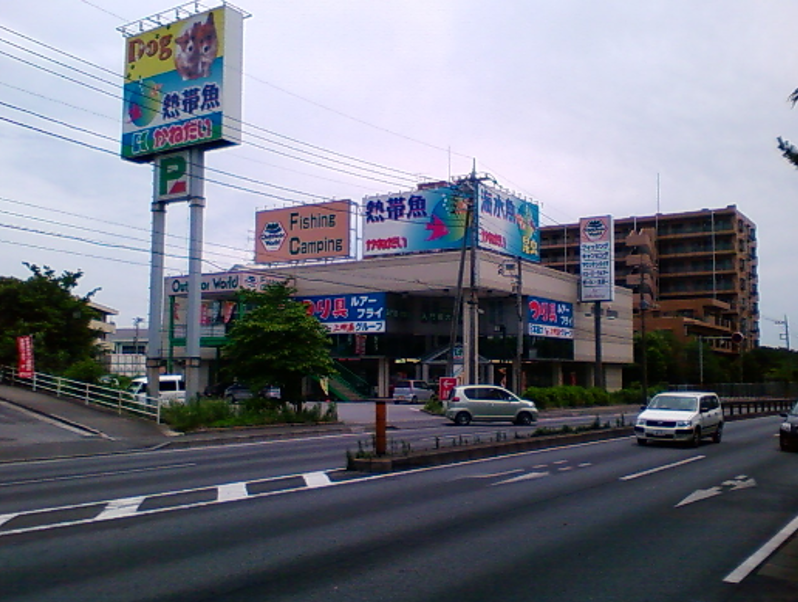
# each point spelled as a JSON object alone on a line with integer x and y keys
{"x": 196, "y": 49}
{"x": 208, "y": 44}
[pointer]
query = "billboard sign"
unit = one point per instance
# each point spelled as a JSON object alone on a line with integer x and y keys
{"x": 220, "y": 283}
{"x": 508, "y": 224}
{"x": 319, "y": 231}
{"x": 363, "y": 313}
{"x": 597, "y": 258}
{"x": 182, "y": 85}
{"x": 549, "y": 318}
{"x": 421, "y": 220}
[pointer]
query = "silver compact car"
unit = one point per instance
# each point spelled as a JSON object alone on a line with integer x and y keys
{"x": 681, "y": 416}
{"x": 412, "y": 391}
{"x": 488, "y": 403}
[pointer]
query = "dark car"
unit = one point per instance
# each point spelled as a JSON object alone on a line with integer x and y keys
{"x": 788, "y": 433}
{"x": 238, "y": 392}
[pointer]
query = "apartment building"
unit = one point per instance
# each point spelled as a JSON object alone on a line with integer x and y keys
{"x": 694, "y": 273}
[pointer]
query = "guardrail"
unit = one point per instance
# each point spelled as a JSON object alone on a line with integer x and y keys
{"x": 761, "y": 406}
{"x": 116, "y": 399}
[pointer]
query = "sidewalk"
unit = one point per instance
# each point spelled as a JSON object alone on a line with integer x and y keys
{"x": 104, "y": 431}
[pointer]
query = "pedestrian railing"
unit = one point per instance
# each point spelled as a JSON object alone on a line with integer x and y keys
{"x": 116, "y": 399}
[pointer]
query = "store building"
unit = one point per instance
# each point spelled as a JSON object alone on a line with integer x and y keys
{"x": 405, "y": 327}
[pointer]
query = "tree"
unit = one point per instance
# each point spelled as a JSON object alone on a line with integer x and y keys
{"x": 45, "y": 307}
{"x": 277, "y": 343}
{"x": 787, "y": 149}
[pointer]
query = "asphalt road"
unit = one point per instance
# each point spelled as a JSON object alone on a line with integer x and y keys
{"x": 280, "y": 521}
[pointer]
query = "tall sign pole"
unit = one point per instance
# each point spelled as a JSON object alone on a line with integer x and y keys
{"x": 181, "y": 97}
{"x": 597, "y": 267}
{"x": 196, "y": 204}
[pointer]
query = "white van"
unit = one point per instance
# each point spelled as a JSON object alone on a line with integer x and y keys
{"x": 172, "y": 388}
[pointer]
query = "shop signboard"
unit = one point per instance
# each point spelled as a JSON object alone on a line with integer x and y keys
{"x": 221, "y": 283}
{"x": 362, "y": 313}
{"x": 508, "y": 224}
{"x": 434, "y": 219}
{"x": 182, "y": 84}
{"x": 597, "y": 258}
{"x": 411, "y": 222}
{"x": 317, "y": 231}
{"x": 550, "y": 318}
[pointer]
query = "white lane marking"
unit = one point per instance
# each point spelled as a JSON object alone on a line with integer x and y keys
{"x": 700, "y": 494}
{"x": 524, "y": 477}
{"x": 4, "y": 518}
{"x": 560, "y": 462}
{"x": 585, "y": 464}
{"x": 91, "y": 475}
{"x": 122, "y": 507}
{"x": 377, "y": 477}
{"x": 762, "y": 554}
{"x": 316, "y": 479}
{"x": 644, "y": 473}
{"x": 230, "y": 492}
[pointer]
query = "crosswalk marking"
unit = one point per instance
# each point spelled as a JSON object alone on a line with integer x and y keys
{"x": 230, "y": 492}
{"x": 316, "y": 479}
{"x": 122, "y": 507}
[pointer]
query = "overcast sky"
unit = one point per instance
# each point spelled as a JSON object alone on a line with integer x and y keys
{"x": 578, "y": 104}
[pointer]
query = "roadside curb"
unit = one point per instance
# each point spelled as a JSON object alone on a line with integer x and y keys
{"x": 475, "y": 452}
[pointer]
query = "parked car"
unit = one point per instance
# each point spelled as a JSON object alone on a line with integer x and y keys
{"x": 171, "y": 388}
{"x": 413, "y": 391}
{"x": 788, "y": 432}
{"x": 687, "y": 416}
{"x": 239, "y": 392}
{"x": 488, "y": 403}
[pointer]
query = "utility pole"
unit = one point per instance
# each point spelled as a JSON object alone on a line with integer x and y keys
{"x": 519, "y": 340}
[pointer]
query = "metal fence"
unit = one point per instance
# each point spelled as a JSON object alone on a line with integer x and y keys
{"x": 116, "y": 399}
{"x": 783, "y": 390}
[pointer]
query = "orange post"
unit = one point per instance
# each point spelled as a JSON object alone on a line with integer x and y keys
{"x": 380, "y": 425}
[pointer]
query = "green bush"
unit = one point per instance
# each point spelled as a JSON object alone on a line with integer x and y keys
{"x": 87, "y": 371}
{"x": 569, "y": 396}
{"x": 434, "y": 406}
{"x": 216, "y": 413}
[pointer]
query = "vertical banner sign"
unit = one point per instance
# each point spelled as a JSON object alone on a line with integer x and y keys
{"x": 597, "y": 258}
{"x": 182, "y": 84}
{"x": 25, "y": 357}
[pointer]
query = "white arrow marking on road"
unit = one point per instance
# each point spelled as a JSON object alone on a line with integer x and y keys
{"x": 740, "y": 482}
{"x": 523, "y": 477}
{"x": 700, "y": 494}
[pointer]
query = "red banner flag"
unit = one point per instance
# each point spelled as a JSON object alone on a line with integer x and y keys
{"x": 25, "y": 356}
